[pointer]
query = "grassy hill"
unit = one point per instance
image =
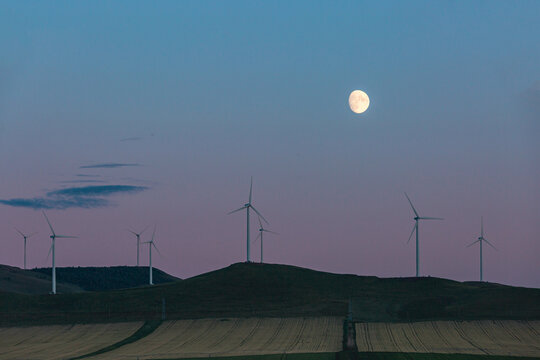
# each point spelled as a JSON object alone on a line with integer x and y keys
{"x": 280, "y": 290}
{"x": 107, "y": 278}
{"x": 13, "y": 279}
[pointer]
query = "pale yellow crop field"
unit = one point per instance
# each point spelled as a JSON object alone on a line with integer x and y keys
{"x": 488, "y": 337}
{"x": 229, "y": 337}
{"x": 57, "y": 342}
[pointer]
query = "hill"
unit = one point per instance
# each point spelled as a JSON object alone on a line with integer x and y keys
{"x": 13, "y": 279}
{"x": 267, "y": 290}
{"x": 107, "y": 278}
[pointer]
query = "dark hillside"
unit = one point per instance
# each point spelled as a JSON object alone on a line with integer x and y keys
{"x": 108, "y": 278}
{"x": 281, "y": 290}
{"x": 13, "y": 279}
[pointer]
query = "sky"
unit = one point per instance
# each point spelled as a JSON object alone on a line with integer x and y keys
{"x": 119, "y": 115}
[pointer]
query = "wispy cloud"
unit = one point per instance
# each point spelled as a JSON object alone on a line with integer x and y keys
{"x": 98, "y": 190}
{"x": 75, "y": 197}
{"x": 87, "y": 175}
{"x": 59, "y": 203}
{"x": 82, "y": 181}
{"x": 108, "y": 165}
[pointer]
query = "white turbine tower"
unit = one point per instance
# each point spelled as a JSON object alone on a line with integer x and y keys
{"x": 54, "y": 237}
{"x": 138, "y": 236}
{"x": 261, "y": 231}
{"x": 417, "y": 219}
{"x": 150, "y": 245}
{"x": 247, "y": 207}
{"x": 480, "y": 240}
{"x": 25, "y": 237}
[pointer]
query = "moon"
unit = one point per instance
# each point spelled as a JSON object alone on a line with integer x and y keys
{"x": 358, "y": 101}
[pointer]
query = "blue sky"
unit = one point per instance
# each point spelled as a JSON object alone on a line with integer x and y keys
{"x": 203, "y": 95}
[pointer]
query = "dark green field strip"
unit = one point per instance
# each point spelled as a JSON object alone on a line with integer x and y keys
{"x": 146, "y": 329}
{"x": 365, "y": 356}
{"x": 310, "y": 356}
{"x": 420, "y": 356}
{"x": 267, "y": 290}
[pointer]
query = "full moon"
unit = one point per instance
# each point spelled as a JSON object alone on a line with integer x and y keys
{"x": 358, "y": 101}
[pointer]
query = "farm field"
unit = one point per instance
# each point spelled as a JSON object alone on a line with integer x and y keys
{"x": 234, "y": 337}
{"x": 60, "y": 341}
{"x": 484, "y": 337}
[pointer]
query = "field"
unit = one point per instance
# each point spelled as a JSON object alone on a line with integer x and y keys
{"x": 234, "y": 337}
{"x": 485, "y": 337}
{"x": 60, "y": 341}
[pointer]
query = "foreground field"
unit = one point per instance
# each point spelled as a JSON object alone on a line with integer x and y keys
{"x": 516, "y": 338}
{"x": 60, "y": 341}
{"x": 231, "y": 337}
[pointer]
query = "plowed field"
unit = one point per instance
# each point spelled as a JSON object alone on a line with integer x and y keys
{"x": 229, "y": 337}
{"x": 60, "y": 341}
{"x": 487, "y": 337}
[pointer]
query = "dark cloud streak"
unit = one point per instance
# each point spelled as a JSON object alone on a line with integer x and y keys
{"x": 98, "y": 190}
{"x": 59, "y": 204}
{"x": 108, "y": 165}
{"x": 85, "y": 197}
{"x": 82, "y": 181}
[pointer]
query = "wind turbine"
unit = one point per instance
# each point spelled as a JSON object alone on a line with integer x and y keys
{"x": 150, "y": 244}
{"x": 53, "y": 237}
{"x": 138, "y": 235}
{"x": 480, "y": 240}
{"x": 415, "y": 229}
{"x": 261, "y": 231}
{"x": 25, "y": 237}
{"x": 247, "y": 207}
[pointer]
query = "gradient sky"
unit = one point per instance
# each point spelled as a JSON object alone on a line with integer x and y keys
{"x": 162, "y": 112}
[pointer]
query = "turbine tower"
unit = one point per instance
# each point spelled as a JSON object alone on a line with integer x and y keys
{"x": 480, "y": 240}
{"x": 138, "y": 235}
{"x": 247, "y": 207}
{"x": 25, "y": 237}
{"x": 150, "y": 244}
{"x": 261, "y": 231}
{"x": 417, "y": 219}
{"x": 53, "y": 237}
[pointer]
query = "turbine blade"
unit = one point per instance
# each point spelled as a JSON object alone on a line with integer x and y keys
{"x": 48, "y": 222}
{"x": 482, "y": 226}
{"x": 260, "y": 223}
{"x": 133, "y": 232}
{"x": 490, "y": 244}
{"x": 153, "y": 233}
{"x": 237, "y": 210}
{"x": 257, "y": 238}
{"x": 410, "y": 202}
{"x": 250, "y": 190}
{"x": 146, "y": 228}
{"x": 271, "y": 232}
{"x": 19, "y": 231}
{"x": 258, "y": 213}
{"x": 49, "y": 254}
{"x": 65, "y": 237}
{"x": 430, "y": 218}
{"x": 155, "y": 247}
{"x": 412, "y": 232}
{"x": 473, "y": 243}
